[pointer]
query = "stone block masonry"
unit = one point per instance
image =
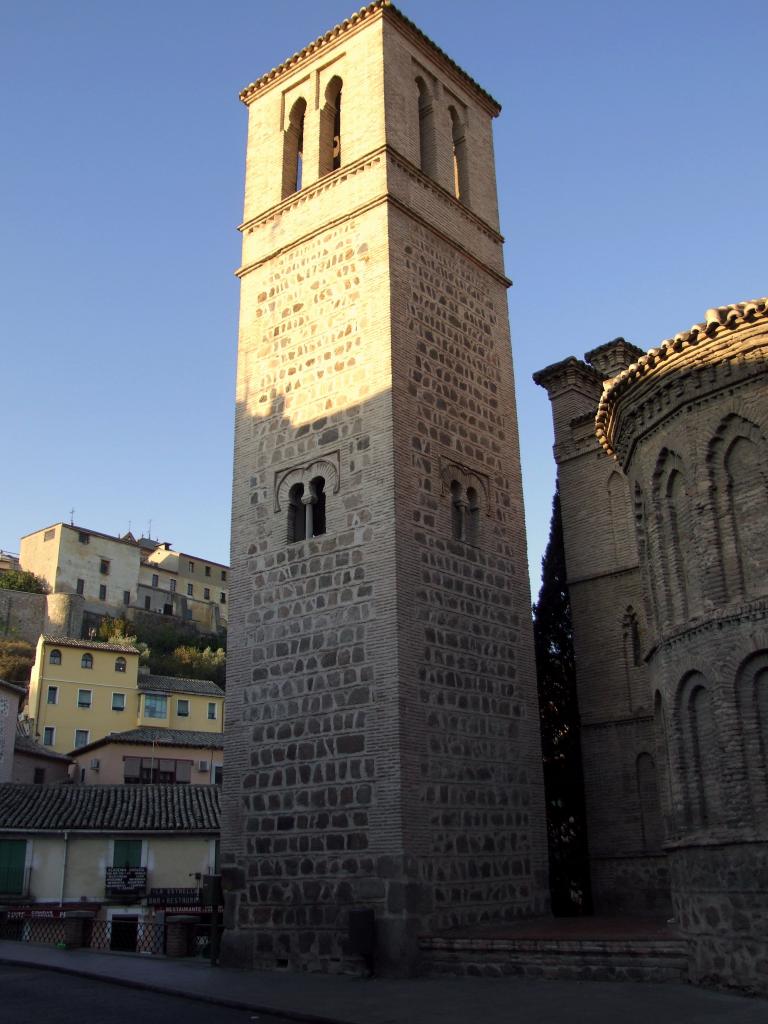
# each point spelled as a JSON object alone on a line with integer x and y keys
{"x": 382, "y": 746}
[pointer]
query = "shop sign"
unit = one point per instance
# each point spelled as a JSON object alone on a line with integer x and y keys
{"x": 126, "y": 881}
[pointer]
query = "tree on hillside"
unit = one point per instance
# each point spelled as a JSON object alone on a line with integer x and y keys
{"x": 170, "y": 649}
{"x": 20, "y": 579}
{"x": 560, "y": 730}
{"x": 16, "y": 660}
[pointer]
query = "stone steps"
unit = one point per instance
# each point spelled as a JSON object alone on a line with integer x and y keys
{"x": 620, "y": 959}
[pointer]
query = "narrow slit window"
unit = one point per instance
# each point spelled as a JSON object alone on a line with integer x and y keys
{"x": 426, "y": 129}
{"x": 330, "y": 128}
{"x": 297, "y": 529}
{"x": 459, "y": 146}
{"x": 293, "y": 149}
{"x": 318, "y": 506}
{"x": 458, "y": 508}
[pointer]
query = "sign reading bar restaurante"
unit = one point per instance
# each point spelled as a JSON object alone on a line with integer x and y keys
{"x": 126, "y": 881}
{"x": 187, "y": 898}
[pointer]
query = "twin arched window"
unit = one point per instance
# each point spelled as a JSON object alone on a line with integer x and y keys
{"x": 465, "y": 512}
{"x": 306, "y": 510}
{"x": 427, "y": 145}
{"x": 329, "y": 155}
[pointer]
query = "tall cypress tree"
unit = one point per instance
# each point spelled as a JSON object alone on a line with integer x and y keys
{"x": 560, "y": 731}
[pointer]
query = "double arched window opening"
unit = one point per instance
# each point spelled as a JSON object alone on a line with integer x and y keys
{"x": 294, "y": 138}
{"x": 465, "y": 513}
{"x": 306, "y": 510}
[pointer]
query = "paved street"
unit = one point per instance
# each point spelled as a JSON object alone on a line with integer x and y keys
{"x": 77, "y": 987}
{"x": 30, "y": 996}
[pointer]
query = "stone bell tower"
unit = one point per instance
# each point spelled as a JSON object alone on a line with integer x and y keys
{"x": 383, "y": 738}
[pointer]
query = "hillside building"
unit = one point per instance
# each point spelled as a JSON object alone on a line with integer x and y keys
{"x": 123, "y": 576}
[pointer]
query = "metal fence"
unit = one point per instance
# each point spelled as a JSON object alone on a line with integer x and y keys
{"x": 46, "y": 930}
{"x": 125, "y": 935}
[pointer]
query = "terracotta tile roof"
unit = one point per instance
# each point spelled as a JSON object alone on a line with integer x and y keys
{"x": 160, "y": 737}
{"x": 26, "y": 745}
{"x": 21, "y": 691}
{"x": 147, "y": 808}
{"x": 172, "y": 684}
{"x": 717, "y": 322}
{"x": 388, "y": 8}
{"x": 89, "y": 645}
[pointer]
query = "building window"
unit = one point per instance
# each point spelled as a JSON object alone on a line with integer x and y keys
{"x": 182, "y": 708}
{"x": 155, "y": 705}
{"x": 212, "y": 710}
{"x": 118, "y": 702}
{"x": 222, "y": 598}
{"x": 13, "y": 857}
{"x": 84, "y": 698}
{"x": 55, "y": 657}
{"x": 218, "y": 774}
{"x": 120, "y": 664}
{"x": 84, "y": 538}
{"x": 223, "y": 575}
{"x": 49, "y": 535}
{"x": 207, "y": 593}
{"x": 126, "y": 597}
{"x": 38, "y": 777}
{"x": 172, "y": 585}
{"x": 81, "y": 738}
{"x": 131, "y": 770}
{"x": 126, "y": 853}
{"x": 49, "y": 736}
{"x": 207, "y": 570}
{"x": 191, "y": 566}
{"x": 80, "y": 588}
{"x": 190, "y": 589}
{"x": 104, "y": 567}
{"x": 86, "y": 661}
{"x": 53, "y": 695}
{"x": 102, "y": 592}
{"x": 155, "y": 579}
{"x": 147, "y": 603}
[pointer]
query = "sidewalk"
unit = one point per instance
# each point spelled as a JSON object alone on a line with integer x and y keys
{"x": 346, "y": 1000}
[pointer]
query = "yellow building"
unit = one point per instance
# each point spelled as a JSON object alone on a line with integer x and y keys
{"x": 122, "y": 575}
{"x": 81, "y": 690}
{"x": 125, "y": 853}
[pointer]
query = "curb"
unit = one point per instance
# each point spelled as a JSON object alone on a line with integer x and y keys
{"x": 148, "y": 986}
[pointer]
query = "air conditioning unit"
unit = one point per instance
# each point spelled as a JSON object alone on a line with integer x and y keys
{"x": 94, "y": 764}
{"x": 203, "y": 766}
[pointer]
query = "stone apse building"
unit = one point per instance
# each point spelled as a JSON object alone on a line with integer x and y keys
{"x": 383, "y": 742}
{"x": 670, "y": 604}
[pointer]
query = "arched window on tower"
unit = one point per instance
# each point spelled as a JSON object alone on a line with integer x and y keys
{"x": 700, "y": 751}
{"x": 460, "y": 172}
{"x": 293, "y": 149}
{"x": 427, "y": 154}
{"x": 297, "y": 529}
{"x": 472, "y": 526}
{"x": 330, "y": 128}
{"x": 318, "y": 506}
{"x": 632, "y": 637}
{"x": 458, "y": 510}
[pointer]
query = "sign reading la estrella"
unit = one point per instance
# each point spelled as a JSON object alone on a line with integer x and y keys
{"x": 173, "y": 897}
{"x": 126, "y": 881}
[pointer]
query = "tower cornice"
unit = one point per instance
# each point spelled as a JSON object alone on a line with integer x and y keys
{"x": 360, "y": 19}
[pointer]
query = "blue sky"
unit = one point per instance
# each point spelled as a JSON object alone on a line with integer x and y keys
{"x": 631, "y": 156}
